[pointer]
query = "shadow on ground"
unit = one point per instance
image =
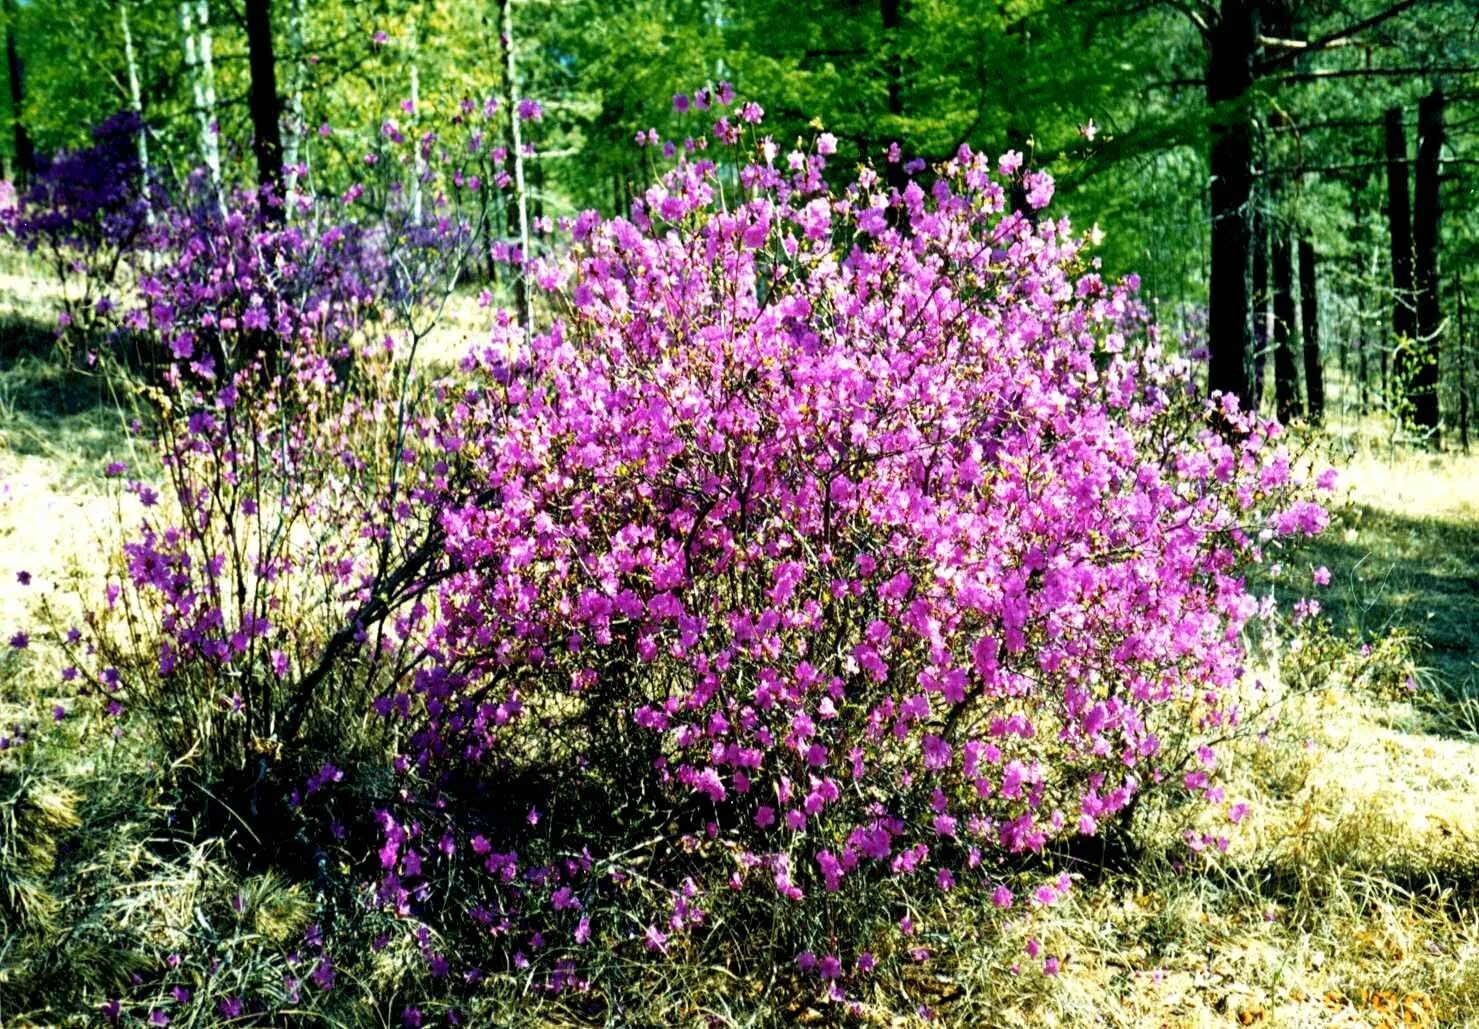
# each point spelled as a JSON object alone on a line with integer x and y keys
{"x": 51, "y": 409}
{"x": 1411, "y": 571}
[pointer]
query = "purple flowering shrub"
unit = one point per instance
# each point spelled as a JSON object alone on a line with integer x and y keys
{"x": 821, "y": 551}
{"x": 84, "y": 214}
{"x": 827, "y": 550}
{"x": 293, "y": 506}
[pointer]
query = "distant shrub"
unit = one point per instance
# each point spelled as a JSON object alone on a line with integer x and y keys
{"x": 83, "y": 214}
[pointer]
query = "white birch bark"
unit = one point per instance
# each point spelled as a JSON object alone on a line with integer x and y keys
{"x": 516, "y": 138}
{"x": 292, "y": 149}
{"x": 135, "y": 103}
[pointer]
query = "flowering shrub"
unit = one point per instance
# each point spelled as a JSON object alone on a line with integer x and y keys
{"x": 84, "y": 214}
{"x": 295, "y": 509}
{"x": 823, "y": 551}
{"x": 835, "y": 547}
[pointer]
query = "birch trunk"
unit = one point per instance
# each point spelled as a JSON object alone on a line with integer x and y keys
{"x": 200, "y": 67}
{"x": 516, "y": 139}
{"x": 292, "y": 144}
{"x": 135, "y": 103}
{"x": 419, "y": 169}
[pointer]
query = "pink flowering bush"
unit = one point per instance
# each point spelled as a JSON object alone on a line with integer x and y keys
{"x": 818, "y": 553}
{"x": 827, "y": 550}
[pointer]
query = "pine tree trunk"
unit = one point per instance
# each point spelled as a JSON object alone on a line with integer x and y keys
{"x": 25, "y": 151}
{"x": 1399, "y": 225}
{"x": 1286, "y": 382}
{"x": 1425, "y": 239}
{"x": 1309, "y": 318}
{"x": 264, "y": 104}
{"x": 1233, "y": 44}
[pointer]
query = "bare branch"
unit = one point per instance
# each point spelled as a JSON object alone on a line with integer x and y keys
{"x": 1343, "y": 37}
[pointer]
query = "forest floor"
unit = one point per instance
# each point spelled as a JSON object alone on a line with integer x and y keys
{"x": 1348, "y": 896}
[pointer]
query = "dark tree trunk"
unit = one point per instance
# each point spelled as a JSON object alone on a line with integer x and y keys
{"x": 1399, "y": 226}
{"x": 1425, "y": 214}
{"x": 265, "y": 104}
{"x": 1233, "y": 45}
{"x": 1261, "y": 332}
{"x": 1286, "y": 376}
{"x": 25, "y": 152}
{"x": 891, "y": 15}
{"x": 1309, "y": 321}
{"x": 1463, "y": 370}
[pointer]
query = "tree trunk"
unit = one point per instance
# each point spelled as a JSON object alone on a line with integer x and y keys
{"x": 1425, "y": 216}
{"x": 195, "y": 28}
{"x": 1262, "y": 317}
{"x": 25, "y": 151}
{"x": 1233, "y": 44}
{"x": 892, "y": 18}
{"x": 1399, "y": 226}
{"x": 1309, "y": 320}
{"x": 292, "y": 144}
{"x": 135, "y": 103}
{"x": 1463, "y": 370}
{"x": 414, "y": 73}
{"x": 265, "y": 105}
{"x": 1286, "y": 382}
{"x": 516, "y": 138}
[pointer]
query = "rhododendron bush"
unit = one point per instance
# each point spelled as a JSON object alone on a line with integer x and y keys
{"x": 831, "y": 548}
{"x": 818, "y": 552}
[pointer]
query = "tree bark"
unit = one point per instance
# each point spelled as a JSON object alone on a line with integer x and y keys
{"x": 516, "y": 139}
{"x": 265, "y": 105}
{"x": 1399, "y": 230}
{"x": 1262, "y": 316}
{"x": 1426, "y": 212}
{"x": 1233, "y": 45}
{"x": 1463, "y": 370}
{"x": 135, "y": 102}
{"x": 891, "y": 16}
{"x": 1286, "y": 381}
{"x": 295, "y": 127}
{"x": 25, "y": 151}
{"x": 414, "y": 73}
{"x": 195, "y": 29}
{"x": 1309, "y": 319}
